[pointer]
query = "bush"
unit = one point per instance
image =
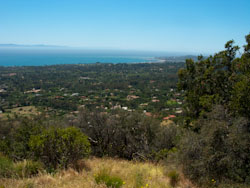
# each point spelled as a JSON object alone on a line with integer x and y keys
{"x": 6, "y": 167}
{"x": 110, "y": 181}
{"x": 174, "y": 178}
{"x": 220, "y": 151}
{"x": 59, "y": 147}
{"x": 15, "y": 142}
{"x": 126, "y": 135}
{"x": 28, "y": 168}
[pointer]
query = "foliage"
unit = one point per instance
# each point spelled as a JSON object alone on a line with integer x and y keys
{"x": 15, "y": 141}
{"x": 174, "y": 177}
{"x": 241, "y": 99}
{"x": 163, "y": 154}
{"x": 59, "y": 147}
{"x": 220, "y": 151}
{"x": 22, "y": 169}
{"x": 28, "y": 168}
{"x": 127, "y": 135}
{"x": 110, "y": 181}
{"x": 216, "y": 145}
{"x": 6, "y": 167}
{"x": 220, "y": 79}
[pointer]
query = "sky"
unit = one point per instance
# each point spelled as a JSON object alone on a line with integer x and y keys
{"x": 192, "y": 26}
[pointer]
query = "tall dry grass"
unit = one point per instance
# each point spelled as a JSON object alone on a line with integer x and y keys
{"x": 133, "y": 174}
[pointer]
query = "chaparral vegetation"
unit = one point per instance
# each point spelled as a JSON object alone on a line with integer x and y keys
{"x": 169, "y": 124}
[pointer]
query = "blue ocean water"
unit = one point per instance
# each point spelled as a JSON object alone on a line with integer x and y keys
{"x": 40, "y": 57}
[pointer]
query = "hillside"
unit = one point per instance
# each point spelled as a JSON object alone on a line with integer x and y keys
{"x": 133, "y": 174}
{"x": 58, "y": 118}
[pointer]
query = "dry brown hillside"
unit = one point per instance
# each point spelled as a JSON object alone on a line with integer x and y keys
{"x": 133, "y": 175}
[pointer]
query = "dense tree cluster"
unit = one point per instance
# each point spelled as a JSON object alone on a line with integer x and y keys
{"x": 216, "y": 143}
{"x": 126, "y": 135}
{"x": 220, "y": 79}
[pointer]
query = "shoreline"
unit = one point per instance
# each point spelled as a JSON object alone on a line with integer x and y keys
{"x": 58, "y": 64}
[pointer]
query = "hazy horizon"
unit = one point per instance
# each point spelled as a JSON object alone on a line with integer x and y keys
{"x": 69, "y": 49}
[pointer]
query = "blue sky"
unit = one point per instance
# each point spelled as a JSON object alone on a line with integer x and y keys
{"x": 198, "y": 26}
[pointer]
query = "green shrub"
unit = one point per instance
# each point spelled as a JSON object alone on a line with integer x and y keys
{"x": 103, "y": 177}
{"x": 28, "y": 168}
{"x": 4, "y": 146}
{"x": 219, "y": 151}
{"x": 163, "y": 154}
{"x": 174, "y": 178}
{"x": 59, "y": 147}
{"x": 16, "y": 141}
{"x": 6, "y": 167}
{"x": 128, "y": 135}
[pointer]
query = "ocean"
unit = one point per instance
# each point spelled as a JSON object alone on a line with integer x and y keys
{"x": 42, "y": 57}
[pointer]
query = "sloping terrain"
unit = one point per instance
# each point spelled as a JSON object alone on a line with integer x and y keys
{"x": 132, "y": 174}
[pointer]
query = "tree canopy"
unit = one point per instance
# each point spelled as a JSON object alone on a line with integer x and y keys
{"x": 222, "y": 79}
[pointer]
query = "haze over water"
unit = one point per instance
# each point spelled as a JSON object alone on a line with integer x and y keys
{"x": 53, "y": 56}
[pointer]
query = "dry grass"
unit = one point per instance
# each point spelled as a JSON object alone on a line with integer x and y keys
{"x": 134, "y": 174}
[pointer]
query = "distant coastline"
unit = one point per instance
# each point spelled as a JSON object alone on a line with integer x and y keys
{"x": 55, "y": 59}
{"x": 42, "y": 55}
{"x": 46, "y": 56}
